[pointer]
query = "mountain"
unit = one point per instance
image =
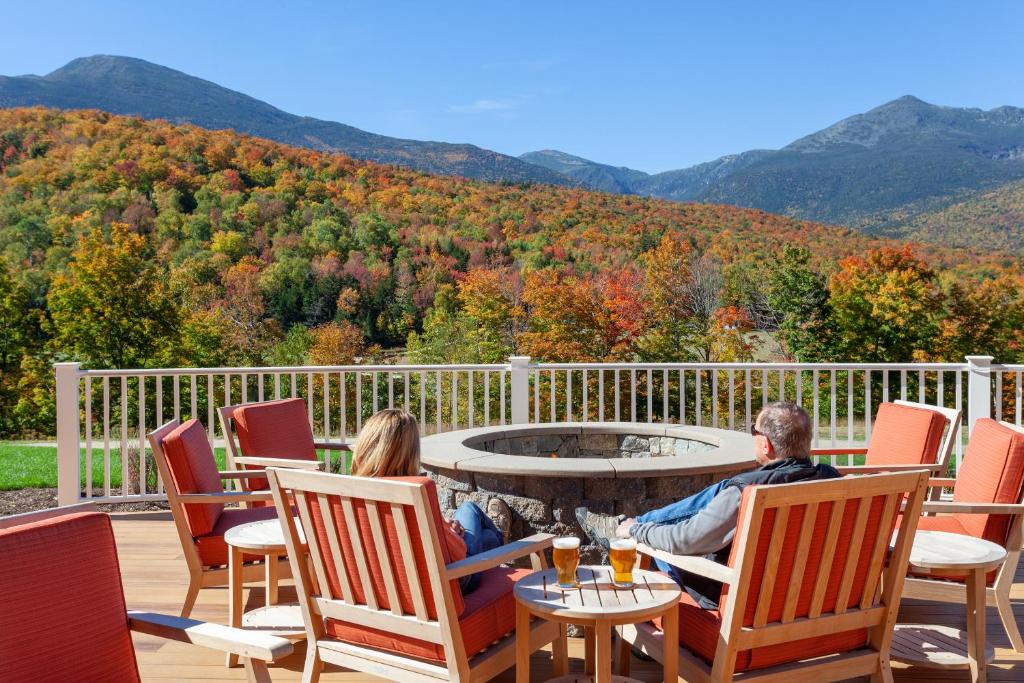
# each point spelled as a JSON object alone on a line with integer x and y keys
{"x": 124, "y": 85}
{"x": 992, "y": 220}
{"x": 872, "y": 170}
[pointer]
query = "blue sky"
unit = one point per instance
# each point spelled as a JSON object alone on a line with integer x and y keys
{"x": 653, "y": 86}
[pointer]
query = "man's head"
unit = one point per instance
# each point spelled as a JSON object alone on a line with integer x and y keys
{"x": 781, "y": 430}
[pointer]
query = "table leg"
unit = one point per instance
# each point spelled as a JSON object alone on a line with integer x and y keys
{"x": 670, "y": 656}
{"x": 235, "y": 559}
{"x": 588, "y": 650}
{"x": 560, "y": 653}
{"x": 271, "y": 578}
{"x": 976, "y": 625}
{"x": 522, "y": 644}
{"x": 603, "y": 644}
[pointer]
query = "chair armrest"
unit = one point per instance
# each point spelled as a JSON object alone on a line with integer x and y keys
{"x": 224, "y": 497}
{"x": 504, "y": 553}
{"x": 876, "y": 469}
{"x": 950, "y": 507}
{"x": 332, "y": 446}
{"x": 251, "y": 644}
{"x": 243, "y": 474}
{"x": 290, "y": 463}
{"x": 944, "y": 482}
{"x": 842, "y": 450}
{"x": 690, "y": 563}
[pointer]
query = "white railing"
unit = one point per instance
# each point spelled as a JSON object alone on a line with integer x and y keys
{"x": 103, "y": 415}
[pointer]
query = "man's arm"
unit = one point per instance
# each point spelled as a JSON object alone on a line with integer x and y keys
{"x": 708, "y": 531}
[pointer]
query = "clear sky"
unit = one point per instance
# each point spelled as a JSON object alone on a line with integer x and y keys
{"x": 653, "y": 86}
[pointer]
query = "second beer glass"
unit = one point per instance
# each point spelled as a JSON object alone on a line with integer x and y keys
{"x": 623, "y": 558}
{"x": 566, "y": 556}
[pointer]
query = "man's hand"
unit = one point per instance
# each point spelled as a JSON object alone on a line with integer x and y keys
{"x": 454, "y": 525}
{"x": 623, "y": 529}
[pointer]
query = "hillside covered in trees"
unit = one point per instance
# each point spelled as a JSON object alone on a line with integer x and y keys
{"x": 131, "y": 243}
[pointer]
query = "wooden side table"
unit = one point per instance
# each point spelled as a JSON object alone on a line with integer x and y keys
{"x": 260, "y": 538}
{"x": 596, "y": 605}
{"x": 941, "y": 646}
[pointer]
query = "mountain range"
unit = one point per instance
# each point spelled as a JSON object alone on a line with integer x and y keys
{"x": 875, "y": 171}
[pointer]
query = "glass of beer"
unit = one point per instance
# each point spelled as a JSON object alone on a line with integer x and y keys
{"x": 623, "y": 558}
{"x": 566, "y": 555}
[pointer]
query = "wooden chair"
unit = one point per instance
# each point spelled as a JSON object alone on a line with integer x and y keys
{"x": 905, "y": 436}
{"x": 988, "y": 502}
{"x": 63, "y": 614}
{"x": 386, "y": 599}
{"x": 811, "y": 590}
{"x": 197, "y": 500}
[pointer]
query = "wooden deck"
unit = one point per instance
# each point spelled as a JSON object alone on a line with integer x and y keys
{"x": 155, "y": 579}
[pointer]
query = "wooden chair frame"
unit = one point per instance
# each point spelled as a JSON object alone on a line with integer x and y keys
{"x": 877, "y": 611}
{"x": 201, "y": 576}
{"x": 938, "y": 468}
{"x": 255, "y": 649}
{"x": 444, "y": 630}
{"x": 998, "y": 594}
{"x": 235, "y": 456}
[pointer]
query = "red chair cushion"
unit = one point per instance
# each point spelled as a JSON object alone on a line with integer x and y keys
{"x": 62, "y": 611}
{"x": 992, "y": 472}
{"x": 213, "y": 550}
{"x": 490, "y": 614}
{"x": 274, "y": 429}
{"x": 194, "y": 470}
{"x": 905, "y": 435}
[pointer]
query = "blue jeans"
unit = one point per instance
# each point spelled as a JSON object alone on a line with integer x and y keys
{"x": 480, "y": 536}
{"x": 680, "y": 511}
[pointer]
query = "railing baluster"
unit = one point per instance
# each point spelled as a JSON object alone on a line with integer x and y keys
{"x": 359, "y": 401}
{"x": 600, "y": 395}
{"x": 903, "y": 385}
{"x": 714, "y": 397}
{"x": 406, "y": 400}
{"x": 310, "y": 397}
{"x": 391, "y": 390}
{"x": 437, "y": 398}
{"x": 277, "y": 385}
{"x": 732, "y": 399}
{"x": 211, "y": 423}
{"x": 617, "y": 398}
{"x": 799, "y": 380}
{"x": 764, "y": 387}
{"x": 176, "y": 383}
{"x": 293, "y": 387}
{"x": 423, "y": 400}
{"x": 259, "y": 386}
{"x": 665, "y": 418}
{"x": 536, "y": 396}
{"x": 682, "y": 396}
{"x": 747, "y": 391}
{"x": 455, "y": 399}
{"x": 106, "y": 437}
{"x": 998, "y": 412}
{"x": 142, "y": 433}
{"x": 373, "y": 383}
{"x": 586, "y": 402}
{"x": 849, "y": 408}
{"x": 471, "y": 401}
{"x": 920, "y": 386}
{"x": 832, "y": 412}
{"x": 650, "y": 395}
{"x": 697, "y": 408}
{"x": 343, "y": 410}
{"x": 487, "y": 398}
{"x": 88, "y": 436}
{"x": 568, "y": 395}
{"x": 125, "y": 484}
{"x": 867, "y": 406}
{"x": 632, "y": 395}
{"x": 815, "y": 380}
{"x": 958, "y": 397}
{"x": 551, "y": 402}
{"x": 501, "y": 397}
{"x": 327, "y": 410}
{"x": 1020, "y": 398}
{"x": 782, "y": 385}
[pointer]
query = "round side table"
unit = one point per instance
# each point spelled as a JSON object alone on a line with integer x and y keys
{"x": 944, "y": 647}
{"x": 596, "y": 605}
{"x": 260, "y": 538}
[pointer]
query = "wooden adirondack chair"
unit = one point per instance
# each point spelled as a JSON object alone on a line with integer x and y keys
{"x": 272, "y": 434}
{"x": 905, "y": 436}
{"x": 988, "y": 502}
{"x": 197, "y": 500}
{"x": 386, "y": 598}
{"x": 811, "y": 588}
{"x": 63, "y": 614}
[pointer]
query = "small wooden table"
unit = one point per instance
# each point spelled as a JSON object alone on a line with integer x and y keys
{"x": 260, "y": 538}
{"x": 941, "y": 646}
{"x": 596, "y": 605}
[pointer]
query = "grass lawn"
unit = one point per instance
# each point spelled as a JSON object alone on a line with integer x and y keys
{"x": 24, "y": 466}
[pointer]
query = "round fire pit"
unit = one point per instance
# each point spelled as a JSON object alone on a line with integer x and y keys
{"x": 544, "y": 472}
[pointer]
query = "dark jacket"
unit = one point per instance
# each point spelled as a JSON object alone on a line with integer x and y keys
{"x": 710, "y": 531}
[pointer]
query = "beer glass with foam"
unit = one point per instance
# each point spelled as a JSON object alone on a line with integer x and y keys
{"x": 566, "y": 556}
{"x": 622, "y": 554}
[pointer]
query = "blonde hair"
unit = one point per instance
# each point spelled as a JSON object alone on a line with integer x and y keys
{"x": 388, "y": 446}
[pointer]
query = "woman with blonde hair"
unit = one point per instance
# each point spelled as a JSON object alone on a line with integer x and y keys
{"x": 389, "y": 446}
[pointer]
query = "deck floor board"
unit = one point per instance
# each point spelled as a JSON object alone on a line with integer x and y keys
{"x": 155, "y": 579}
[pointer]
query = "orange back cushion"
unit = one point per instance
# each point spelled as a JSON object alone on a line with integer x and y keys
{"x": 62, "y": 611}
{"x": 274, "y": 429}
{"x": 992, "y": 472}
{"x": 194, "y": 470}
{"x": 777, "y": 654}
{"x": 905, "y": 435}
{"x": 393, "y": 550}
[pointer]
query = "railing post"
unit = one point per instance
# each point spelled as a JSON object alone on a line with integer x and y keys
{"x": 69, "y": 486}
{"x": 519, "y": 369}
{"x": 979, "y": 389}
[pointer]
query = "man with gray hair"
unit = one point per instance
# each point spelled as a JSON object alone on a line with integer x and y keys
{"x": 705, "y": 523}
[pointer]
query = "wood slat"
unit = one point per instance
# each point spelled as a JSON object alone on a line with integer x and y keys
{"x": 419, "y": 603}
{"x": 334, "y": 543}
{"x": 356, "y": 539}
{"x": 796, "y": 579}
{"x": 315, "y": 552}
{"x": 828, "y": 554}
{"x": 852, "y": 555}
{"x": 771, "y": 569}
{"x": 383, "y": 557}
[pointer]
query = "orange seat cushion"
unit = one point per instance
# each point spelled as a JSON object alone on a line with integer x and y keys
{"x": 905, "y": 435}
{"x": 194, "y": 470}
{"x": 213, "y": 550}
{"x": 62, "y": 611}
{"x": 274, "y": 429}
{"x": 489, "y": 615}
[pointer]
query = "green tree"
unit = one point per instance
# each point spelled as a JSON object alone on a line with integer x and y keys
{"x": 799, "y": 298}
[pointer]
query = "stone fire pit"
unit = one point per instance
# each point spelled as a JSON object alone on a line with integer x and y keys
{"x": 544, "y": 472}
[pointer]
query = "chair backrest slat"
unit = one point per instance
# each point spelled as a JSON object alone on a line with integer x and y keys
{"x": 796, "y": 580}
{"x": 870, "y": 594}
{"x": 316, "y": 553}
{"x": 334, "y": 544}
{"x": 408, "y": 560}
{"x": 369, "y": 592}
{"x": 853, "y": 555}
{"x": 764, "y": 600}
{"x": 383, "y": 559}
{"x": 827, "y": 556}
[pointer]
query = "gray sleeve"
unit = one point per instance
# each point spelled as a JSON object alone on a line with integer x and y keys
{"x": 708, "y": 531}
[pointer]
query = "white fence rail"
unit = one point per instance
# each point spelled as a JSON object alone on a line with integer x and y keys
{"x": 104, "y": 415}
